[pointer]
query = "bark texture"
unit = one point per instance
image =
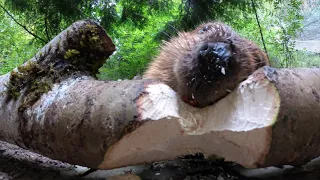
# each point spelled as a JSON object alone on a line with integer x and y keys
{"x": 76, "y": 53}
{"x": 295, "y": 134}
{"x": 77, "y": 121}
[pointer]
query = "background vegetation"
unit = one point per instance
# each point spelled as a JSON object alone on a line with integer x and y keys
{"x": 138, "y": 27}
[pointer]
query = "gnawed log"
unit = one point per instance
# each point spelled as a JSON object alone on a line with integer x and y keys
{"x": 53, "y": 105}
{"x": 270, "y": 119}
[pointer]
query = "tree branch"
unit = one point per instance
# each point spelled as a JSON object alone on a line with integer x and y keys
{"x": 23, "y": 26}
{"x": 46, "y": 25}
{"x": 257, "y": 18}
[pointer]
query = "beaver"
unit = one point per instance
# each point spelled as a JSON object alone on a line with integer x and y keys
{"x": 206, "y": 64}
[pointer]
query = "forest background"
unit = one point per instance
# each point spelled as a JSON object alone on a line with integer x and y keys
{"x": 138, "y": 27}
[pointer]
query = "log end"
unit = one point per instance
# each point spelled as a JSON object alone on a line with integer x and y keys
{"x": 86, "y": 45}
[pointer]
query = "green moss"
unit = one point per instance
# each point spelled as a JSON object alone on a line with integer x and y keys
{"x": 92, "y": 28}
{"x": 90, "y": 46}
{"x": 71, "y": 53}
{"x": 34, "y": 93}
{"x": 94, "y": 39}
{"x": 82, "y": 44}
{"x": 90, "y": 37}
{"x": 19, "y": 79}
{"x": 29, "y": 82}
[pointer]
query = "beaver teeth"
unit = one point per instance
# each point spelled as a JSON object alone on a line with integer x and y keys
{"x": 223, "y": 71}
{"x": 203, "y": 52}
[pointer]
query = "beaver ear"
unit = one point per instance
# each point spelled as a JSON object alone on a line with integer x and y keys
{"x": 230, "y": 41}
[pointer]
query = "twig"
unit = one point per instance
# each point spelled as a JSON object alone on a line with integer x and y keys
{"x": 24, "y": 27}
{"x": 257, "y": 18}
{"x": 46, "y": 25}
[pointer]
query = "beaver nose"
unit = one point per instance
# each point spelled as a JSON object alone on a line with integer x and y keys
{"x": 217, "y": 52}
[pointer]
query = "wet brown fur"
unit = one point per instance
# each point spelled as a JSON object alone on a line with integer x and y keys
{"x": 175, "y": 65}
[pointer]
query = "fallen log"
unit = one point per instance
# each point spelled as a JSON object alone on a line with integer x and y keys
{"x": 265, "y": 122}
{"x": 270, "y": 119}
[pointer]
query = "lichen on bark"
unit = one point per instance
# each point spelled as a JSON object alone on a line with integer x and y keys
{"x": 80, "y": 50}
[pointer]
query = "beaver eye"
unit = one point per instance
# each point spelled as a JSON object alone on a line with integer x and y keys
{"x": 204, "y": 29}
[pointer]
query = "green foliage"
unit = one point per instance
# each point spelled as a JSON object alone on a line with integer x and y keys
{"x": 138, "y": 27}
{"x": 281, "y": 22}
{"x": 203, "y": 10}
{"x": 47, "y": 18}
{"x": 288, "y": 20}
{"x": 135, "y": 47}
{"x": 16, "y": 46}
{"x": 307, "y": 59}
{"x": 138, "y": 11}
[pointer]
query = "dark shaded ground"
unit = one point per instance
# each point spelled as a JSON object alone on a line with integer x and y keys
{"x": 20, "y": 164}
{"x": 191, "y": 168}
